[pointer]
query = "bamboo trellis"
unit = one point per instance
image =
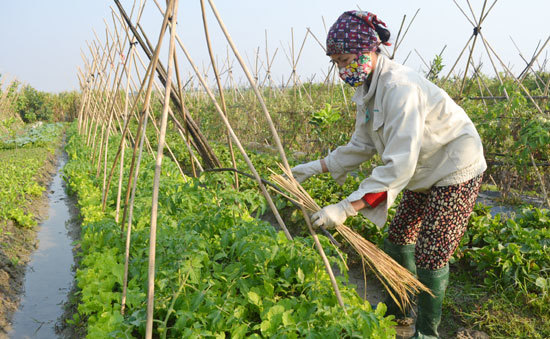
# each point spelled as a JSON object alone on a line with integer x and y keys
{"x": 96, "y": 122}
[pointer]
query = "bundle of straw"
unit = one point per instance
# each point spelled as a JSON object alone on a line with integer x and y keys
{"x": 397, "y": 280}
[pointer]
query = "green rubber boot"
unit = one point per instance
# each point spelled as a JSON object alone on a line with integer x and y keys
{"x": 429, "y": 308}
{"x": 404, "y": 255}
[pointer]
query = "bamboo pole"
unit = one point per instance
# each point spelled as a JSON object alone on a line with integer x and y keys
{"x": 204, "y": 149}
{"x": 220, "y": 88}
{"x": 150, "y": 75}
{"x": 103, "y": 103}
{"x": 281, "y": 151}
{"x": 83, "y": 103}
{"x": 99, "y": 77}
{"x": 99, "y": 108}
{"x": 521, "y": 77}
{"x": 397, "y": 37}
{"x": 398, "y": 43}
{"x": 237, "y": 143}
{"x": 477, "y": 28}
{"x": 520, "y": 85}
{"x": 478, "y": 81}
{"x": 86, "y": 93}
{"x": 130, "y": 219}
{"x": 235, "y": 139}
{"x": 457, "y": 60}
{"x": 171, "y": 14}
{"x": 123, "y": 143}
{"x": 94, "y": 87}
{"x": 91, "y": 80}
{"x": 523, "y": 74}
{"x": 180, "y": 128}
{"x": 129, "y": 227}
{"x": 98, "y": 82}
{"x": 111, "y": 104}
{"x": 106, "y": 127}
{"x": 156, "y": 127}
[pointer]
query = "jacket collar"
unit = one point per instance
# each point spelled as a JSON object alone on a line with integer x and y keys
{"x": 363, "y": 94}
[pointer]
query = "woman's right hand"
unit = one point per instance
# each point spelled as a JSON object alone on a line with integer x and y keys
{"x": 302, "y": 172}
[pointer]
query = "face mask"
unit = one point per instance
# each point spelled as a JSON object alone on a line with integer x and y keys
{"x": 357, "y": 71}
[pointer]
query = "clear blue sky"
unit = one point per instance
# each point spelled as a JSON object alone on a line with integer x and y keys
{"x": 40, "y": 41}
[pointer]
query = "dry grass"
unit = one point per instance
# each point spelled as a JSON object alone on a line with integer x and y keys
{"x": 397, "y": 280}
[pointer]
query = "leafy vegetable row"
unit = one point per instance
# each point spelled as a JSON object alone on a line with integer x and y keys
{"x": 18, "y": 175}
{"x": 511, "y": 253}
{"x": 40, "y": 135}
{"x": 220, "y": 272}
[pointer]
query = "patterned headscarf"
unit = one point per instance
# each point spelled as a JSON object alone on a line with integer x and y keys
{"x": 354, "y": 32}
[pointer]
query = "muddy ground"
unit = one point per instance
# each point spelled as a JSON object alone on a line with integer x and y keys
{"x": 16, "y": 247}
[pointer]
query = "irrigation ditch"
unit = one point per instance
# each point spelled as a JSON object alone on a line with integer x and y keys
{"x": 41, "y": 278}
{"x": 17, "y": 246}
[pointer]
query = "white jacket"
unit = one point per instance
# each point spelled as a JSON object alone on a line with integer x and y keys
{"x": 424, "y": 138}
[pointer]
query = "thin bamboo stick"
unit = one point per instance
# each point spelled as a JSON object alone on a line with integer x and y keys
{"x": 457, "y": 60}
{"x": 100, "y": 89}
{"x": 112, "y": 102}
{"x": 397, "y": 44}
{"x": 397, "y": 37}
{"x": 281, "y": 152}
{"x": 150, "y": 74}
{"x": 533, "y": 59}
{"x": 204, "y": 149}
{"x": 520, "y": 85}
{"x": 156, "y": 127}
{"x": 220, "y": 88}
{"x": 476, "y": 29}
{"x": 235, "y": 138}
{"x": 125, "y": 115}
{"x": 237, "y": 142}
{"x": 192, "y": 158}
{"x": 171, "y": 14}
{"x": 478, "y": 81}
{"x": 129, "y": 226}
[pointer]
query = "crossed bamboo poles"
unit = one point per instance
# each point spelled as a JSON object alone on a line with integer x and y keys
{"x": 106, "y": 109}
{"x": 100, "y": 111}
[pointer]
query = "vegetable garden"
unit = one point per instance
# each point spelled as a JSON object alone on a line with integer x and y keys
{"x": 171, "y": 178}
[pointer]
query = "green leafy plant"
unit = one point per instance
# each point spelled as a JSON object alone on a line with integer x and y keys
{"x": 435, "y": 68}
{"x": 221, "y": 272}
{"x": 511, "y": 252}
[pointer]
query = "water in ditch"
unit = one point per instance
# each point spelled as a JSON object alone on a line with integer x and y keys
{"x": 49, "y": 276}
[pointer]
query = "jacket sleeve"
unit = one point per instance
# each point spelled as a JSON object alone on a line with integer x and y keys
{"x": 345, "y": 159}
{"x": 402, "y": 131}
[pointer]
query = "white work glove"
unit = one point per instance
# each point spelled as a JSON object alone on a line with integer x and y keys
{"x": 333, "y": 215}
{"x": 304, "y": 171}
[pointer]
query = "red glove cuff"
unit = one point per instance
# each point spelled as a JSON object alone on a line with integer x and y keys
{"x": 374, "y": 199}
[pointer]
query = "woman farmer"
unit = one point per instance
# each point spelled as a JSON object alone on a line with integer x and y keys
{"x": 430, "y": 150}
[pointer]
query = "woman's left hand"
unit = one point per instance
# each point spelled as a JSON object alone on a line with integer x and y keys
{"x": 333, "y": 215}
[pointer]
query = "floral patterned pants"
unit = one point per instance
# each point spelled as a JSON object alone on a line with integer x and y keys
{"x": 435, "y": 221}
